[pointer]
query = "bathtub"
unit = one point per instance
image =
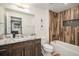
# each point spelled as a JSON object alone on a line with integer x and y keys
{"x": 65, "y": 49}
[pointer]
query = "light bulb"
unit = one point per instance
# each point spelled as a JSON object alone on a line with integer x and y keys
{"x": 21, "y": 5}
{"x": 65, "y": 3}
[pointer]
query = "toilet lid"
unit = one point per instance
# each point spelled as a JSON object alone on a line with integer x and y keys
{"x": 48, "y": 46}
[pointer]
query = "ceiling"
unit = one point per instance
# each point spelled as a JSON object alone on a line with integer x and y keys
{"x": 56, "y": 7}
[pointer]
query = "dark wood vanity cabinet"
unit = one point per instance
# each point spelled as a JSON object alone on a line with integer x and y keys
{"x": 37, "y": 47}
{"x": 26, "y": 48}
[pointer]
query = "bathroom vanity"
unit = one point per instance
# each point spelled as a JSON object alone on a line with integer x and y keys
{"x": 22, "y": 48}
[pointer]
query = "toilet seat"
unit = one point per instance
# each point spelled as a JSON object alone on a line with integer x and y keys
{"x": 48, "y": 47}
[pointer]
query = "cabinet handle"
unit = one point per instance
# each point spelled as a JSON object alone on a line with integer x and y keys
{"x": 2, "y": 49}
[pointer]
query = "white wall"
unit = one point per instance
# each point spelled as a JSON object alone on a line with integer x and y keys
{"x": 2, "y": 28}
{"x": 44, "y": 15}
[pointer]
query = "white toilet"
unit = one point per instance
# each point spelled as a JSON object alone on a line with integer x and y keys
{"x": 47, "y": 48}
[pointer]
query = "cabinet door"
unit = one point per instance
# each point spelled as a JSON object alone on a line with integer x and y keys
{"x": 37, "y": 48}
{"x": 28, "y": 50}
{"x": 78, "y": 38}
{"x": 21, "y": 49}
{"x": 16, "y": 51}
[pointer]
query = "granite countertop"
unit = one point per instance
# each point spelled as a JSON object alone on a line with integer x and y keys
{"x": 6, "y": 41}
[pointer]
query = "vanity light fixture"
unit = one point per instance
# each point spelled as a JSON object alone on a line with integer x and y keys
{"x": 65, "y": 3}
{"x": 23, "y": 6}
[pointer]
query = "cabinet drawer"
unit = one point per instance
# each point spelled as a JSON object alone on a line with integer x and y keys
{"x": 20, "y": 44}
{"x": 37, "y": 41}
{"x": 3, "y": 52}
